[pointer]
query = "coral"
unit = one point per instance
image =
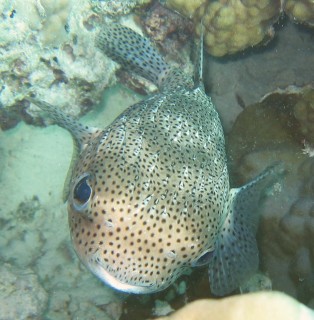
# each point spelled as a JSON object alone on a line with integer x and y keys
{"x": 259, "y": 306}
{"x": 21, "y": 295}
{"x": 187, "y": 8}
{"x": 47, "y": 47}
{"x": 264, "y": 133}
{"x": 114, "y": 7}
{"x": 231, "y": 25}
{"x": 301, "y": 11}
{"x": 169, "y": 30}
{"x": 54, "y": 15}
{"x": 234, "y": 25}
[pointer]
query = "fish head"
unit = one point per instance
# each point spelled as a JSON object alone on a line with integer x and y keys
{"x": 132, "y": 226}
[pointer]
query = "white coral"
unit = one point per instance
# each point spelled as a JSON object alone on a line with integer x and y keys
{"x": 47, "y": 46}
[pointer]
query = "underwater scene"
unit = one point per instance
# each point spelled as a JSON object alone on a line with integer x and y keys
{"x": 156, "y": 159}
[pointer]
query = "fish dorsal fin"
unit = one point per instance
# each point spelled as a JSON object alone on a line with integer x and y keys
{"x": 235, "y": 257}
{"x": 198, "y": 63}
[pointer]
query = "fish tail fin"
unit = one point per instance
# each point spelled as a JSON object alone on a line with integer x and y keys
{"x": 133, "y": 52}
{"x": 199, "y": 57}
{"x": 236, "y": 257}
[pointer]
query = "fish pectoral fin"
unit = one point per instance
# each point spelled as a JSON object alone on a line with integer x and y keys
{"x": 81, "y": 134}
{"x": 236, "y": 254}
{"x": 67, "y": 182}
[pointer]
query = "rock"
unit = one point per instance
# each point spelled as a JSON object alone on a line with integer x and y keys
{"x": 21, "y": 295}
{"x": 47, "y": 48}
{"x": 257, "y": 306}
{"x": 264, "y": 133}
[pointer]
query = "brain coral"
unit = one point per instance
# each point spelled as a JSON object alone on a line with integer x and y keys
{"x": 234, "y": 25}
{"x": 231, "y": 25}
{"x": 300, "y": 11}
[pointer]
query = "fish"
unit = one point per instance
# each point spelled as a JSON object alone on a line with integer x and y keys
{"x": 148, "y": 197}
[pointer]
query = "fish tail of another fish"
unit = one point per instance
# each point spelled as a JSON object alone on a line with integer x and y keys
{"x": 236, "y": 256}
{"x": 133, "y": 52}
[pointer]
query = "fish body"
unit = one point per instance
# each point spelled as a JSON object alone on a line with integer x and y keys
{"x": 149, "y": 196}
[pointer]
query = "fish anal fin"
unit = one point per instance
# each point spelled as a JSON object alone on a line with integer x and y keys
{"x": 236, "y": 258}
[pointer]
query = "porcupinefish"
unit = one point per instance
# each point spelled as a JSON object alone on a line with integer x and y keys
{"x": 149, "y": 196}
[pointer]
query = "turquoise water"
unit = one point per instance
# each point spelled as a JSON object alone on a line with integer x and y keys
{"x": 40, "y": 274}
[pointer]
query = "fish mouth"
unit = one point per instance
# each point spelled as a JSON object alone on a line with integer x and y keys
{"x": 105, "y": 276}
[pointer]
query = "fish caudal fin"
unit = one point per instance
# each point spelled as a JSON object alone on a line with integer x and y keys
{"x": 132, "y": 51}
{"x": 236, "y": 258}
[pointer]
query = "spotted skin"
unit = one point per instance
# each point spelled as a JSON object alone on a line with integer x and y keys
{"x": 149, "y": 195}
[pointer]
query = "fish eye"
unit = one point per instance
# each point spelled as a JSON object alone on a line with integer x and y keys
{"x": 82, "y": 193}
{"x": 203, "y": 259}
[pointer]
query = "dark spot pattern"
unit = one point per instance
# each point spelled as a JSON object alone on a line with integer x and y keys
{"x": 158, "y": 175}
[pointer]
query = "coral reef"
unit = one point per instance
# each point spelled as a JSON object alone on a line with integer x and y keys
{"x": 21, "y": 295}
{"x": 47, "y": 47}
{"x": 259, "y": 306}
{"x": 301, "y": 11}
{"x": 264, "y": 133}
{"x": 232, "y": 25}
{"x": 169, "y": 30}
{"x": 117, "y": 7}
